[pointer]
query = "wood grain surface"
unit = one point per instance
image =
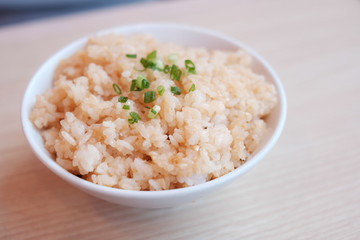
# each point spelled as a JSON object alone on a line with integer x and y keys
{"x": 308, "y": 187}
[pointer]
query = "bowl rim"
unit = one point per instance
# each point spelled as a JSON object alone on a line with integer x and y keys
{"x": 81, "y": 183}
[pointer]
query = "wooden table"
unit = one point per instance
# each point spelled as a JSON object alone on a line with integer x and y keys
{"x": 308, "y": 187}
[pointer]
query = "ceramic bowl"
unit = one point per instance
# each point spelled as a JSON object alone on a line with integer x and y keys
{"x": 186, "y": 36}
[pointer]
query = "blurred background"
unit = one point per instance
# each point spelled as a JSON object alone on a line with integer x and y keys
{"x": 18, "y": 11}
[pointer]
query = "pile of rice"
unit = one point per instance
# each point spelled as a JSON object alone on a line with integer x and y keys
{"x": 197, "y": 136}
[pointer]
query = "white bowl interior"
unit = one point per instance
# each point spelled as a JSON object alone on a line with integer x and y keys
{"x": 180, "y": 34}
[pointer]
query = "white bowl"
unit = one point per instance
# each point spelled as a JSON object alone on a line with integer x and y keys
{"x": 164, "y": 32}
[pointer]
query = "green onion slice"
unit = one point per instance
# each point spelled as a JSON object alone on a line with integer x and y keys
{"x": 151, "y": 56}
{"x": 134, "y": 118}
{"x": 133, "y": 86}
{"x": 148, "y": 64}
{"x": 190, "y": 66}
{"x": 159, "y": 65}
{"x": 161, "y": 90}
{"x": 130, "y": 55}
{"x": 173, "y": 58}
{"x": 142, "y": 82}
{"x": 175, "y": 90}
{"x": 145, "y": 83}
{"x": 126, "y": 107}
{"x": 134, "y": 115}
{"x": 152, "y": 62}
{"x": 192, "y": 88}
{"x": 175, "y": 73}
{"x": 153, "y": 113}
{"x": 149, "y": 96}
{"x": 166, "y": 68}
{"x": 139, "y": 80}
{"x": 117, "y": 88}
{"x": 144, "y": 62}
{"x": 123, "y": 99}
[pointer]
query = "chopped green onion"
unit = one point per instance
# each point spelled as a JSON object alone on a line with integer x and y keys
{"x": 149, "y": 97}
{"x": 144, "y": 62}
{"x": 175, "y": 73}
{"x": 142, "y": 82}
{"x": 139, "y": 80}
{"x": 154, "y": 111}
{"x": 134, "y": 115}
{"x": 175, "y": 90}
{"x": 134, "y": 118}
{"x": 161, "y": 90}
{"x": 126, "y": 107}
{"x": 190, "y": 66}
{"x": 151, "y": 62}
{"x": 139, "y": 83}
{"x": 151, "y": 56}
{"x": 192, "y": 88}
{"x": 145, "y": 83}
{"x": 131, "y": 55}
{"x": 173, "y": 58}
{"x": 147, "y": 107}
{"x": 123, "y": 99}
{"x": 166, "y": 68}
{"x": 159, "y": 64}
{"x": 133, "y": 86}
{"x": 148, "y": 64}
{"x": 117, "y": 88}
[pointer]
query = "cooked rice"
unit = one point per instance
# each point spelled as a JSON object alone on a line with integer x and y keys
{"x": 197, "y": 136}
